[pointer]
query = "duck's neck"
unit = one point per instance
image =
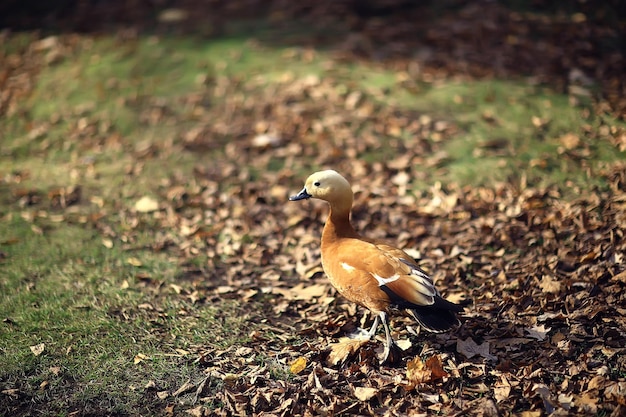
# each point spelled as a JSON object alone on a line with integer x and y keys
{"x": 338, "y": 225}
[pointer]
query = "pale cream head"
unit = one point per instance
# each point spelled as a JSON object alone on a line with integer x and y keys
{"x": 329, "y": 186}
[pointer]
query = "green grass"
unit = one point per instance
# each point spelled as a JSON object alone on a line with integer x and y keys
{"x": 111, "y": 72}
{"x": 525, "y": 121}
{"x": 66, "y": 290}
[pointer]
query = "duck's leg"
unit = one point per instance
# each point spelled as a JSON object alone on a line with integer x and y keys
{"x": 392, "y": 352}
{"x": 360, "y": 333}
{"x": 374, "y": 327}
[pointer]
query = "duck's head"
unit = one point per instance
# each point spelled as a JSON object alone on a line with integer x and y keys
{"x": 329, "y": 186}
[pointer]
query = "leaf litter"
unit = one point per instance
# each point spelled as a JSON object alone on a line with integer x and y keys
{"x": 546, "y": 275}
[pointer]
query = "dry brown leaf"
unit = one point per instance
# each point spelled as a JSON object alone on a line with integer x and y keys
{"x": 38, "y": 349}
{"x": 302, "y": 291}
{"x": 417, "y": 372}
{"x": 420, "y": 372}
{"x": 616, "y": 391}
{"x": 140, "y": 357}
{"x": 590, "y": 256}
{"x": 134, "y": 261}
{"x": 570, "y": 141}
{"x": 346, "y": 346}
{"x": 621, "y": 277}
{"x": 550, "y": 285}
{"x": 530, "y": 413}
{"x": 404, "y": 344}
{"x": 187, "y": 386}
{"x": 538, "y": 332}
{"x": 435, "y": 365}
{"x": 266, "y": 141}
{"x": 544, "y": 392}
{"x": 501, "y": 393}
{"x": 469, "y": 349}
{"x": 566, "y": 401}
{"x": 365, "y": 393}
{"x": 146, "y": 204}
{"x": 502, "y": 390}
{"x": 587, "y": 402}
{"x": 196, "y": 412}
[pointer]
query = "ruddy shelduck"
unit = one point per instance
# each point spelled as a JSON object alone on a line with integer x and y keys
{"x": 377, "y": 276}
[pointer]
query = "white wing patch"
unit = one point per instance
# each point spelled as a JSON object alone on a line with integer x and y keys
{"x": 420, "y": 274}
{"x": 347, "y": 267}
{"x": 384, "y": 281}
{"x": 422, "y": 282}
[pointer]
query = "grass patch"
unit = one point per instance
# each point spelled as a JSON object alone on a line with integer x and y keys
{"x": 507, "y": 129}
{"x": 66, "y": 290}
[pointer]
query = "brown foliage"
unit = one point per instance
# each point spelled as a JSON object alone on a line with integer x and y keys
{"x": 546, "y": 275}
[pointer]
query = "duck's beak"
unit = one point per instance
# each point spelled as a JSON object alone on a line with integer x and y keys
{"x": 302, "y": 195}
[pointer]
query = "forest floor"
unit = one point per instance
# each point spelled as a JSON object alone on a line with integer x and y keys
{"x": 150, "y": 263}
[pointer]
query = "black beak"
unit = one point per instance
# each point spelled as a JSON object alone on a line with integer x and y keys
{"x": 302, "y": 195}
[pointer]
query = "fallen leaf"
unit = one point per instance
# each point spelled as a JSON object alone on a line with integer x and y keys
{"x": 502, "y": 389}
{"x": 621, "y": 277}
{"x": 365, "y": 393}
{"x": 570, "y": 141}
{"x": 590, "y": 256}
{"x": 435, "y": 365}
{"x": 266, "y": 141}
{"x": 544, "y": 392}
{"x": 134, "y": 261}
{"x": 346, "y": 346}
{"x": 417, "y": 372}
{"x": 538, "y": 332}
{"x": 469, "y": 349}
{"x": 485, "y": 407}
{"x": 146, "y": 204}
{"x": 298, "y": 365}
{"x": 588, "y": 403}
{"x": 187, "y": 386}
{"x": 404, "y": 344}
{"x": 420, "y": 372}
{"x": 566, "y": 401}
{"x": 501, "y": 392}
{"x": 140, "y": 357}
{"x": 431, "y": 398}
{"x": 539, "y": 122}
{"x": 38, "y": 349}
{"x": 616, "y": 391}
{"x": 11, "y": 392}
{"x": 302, "y": 291}
{"x": 196, "y": 412}
{"x": 550, "y": 285}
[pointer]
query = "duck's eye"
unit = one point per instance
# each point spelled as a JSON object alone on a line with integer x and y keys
{"x": 317, "y": 183}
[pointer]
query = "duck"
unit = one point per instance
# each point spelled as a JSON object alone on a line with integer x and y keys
{"x": 371, "y": 273}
